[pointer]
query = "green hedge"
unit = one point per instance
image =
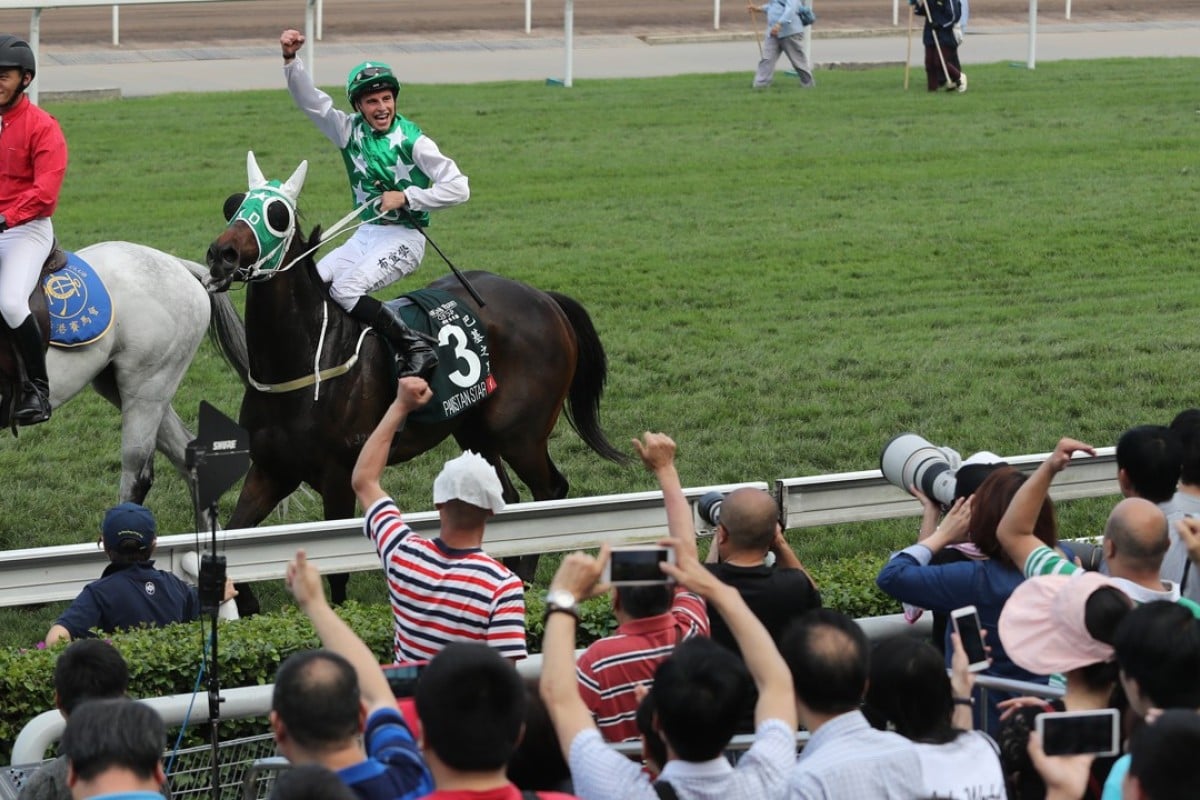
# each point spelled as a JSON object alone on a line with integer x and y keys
{"x": 166, "y": 661}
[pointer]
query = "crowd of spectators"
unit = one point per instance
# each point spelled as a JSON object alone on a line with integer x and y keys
{"x": 737, "y": 644}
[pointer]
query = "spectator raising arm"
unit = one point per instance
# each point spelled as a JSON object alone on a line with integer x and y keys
{"x": 1015, "y": 531}
{"x": 411, "y": 394}
{"x": 304, "y": 583}
{"x": 578, "y": 574}
{"x": 657, "y": 451}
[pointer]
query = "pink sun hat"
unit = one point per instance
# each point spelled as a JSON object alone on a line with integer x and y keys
{"x": 1043, "y": 627}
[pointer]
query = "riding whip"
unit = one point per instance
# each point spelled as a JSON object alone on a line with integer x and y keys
{"x": 461, "y": 278}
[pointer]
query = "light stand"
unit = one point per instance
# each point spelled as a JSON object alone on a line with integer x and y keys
{"x": 216, "y": 459}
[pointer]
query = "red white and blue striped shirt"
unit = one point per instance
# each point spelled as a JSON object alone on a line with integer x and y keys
{"x": 441, "y": 594}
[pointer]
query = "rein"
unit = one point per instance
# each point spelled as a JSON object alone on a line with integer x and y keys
{"x": 340, "y": 227}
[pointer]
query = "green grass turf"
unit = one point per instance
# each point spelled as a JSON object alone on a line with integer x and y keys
{"x": 782, "y": 280}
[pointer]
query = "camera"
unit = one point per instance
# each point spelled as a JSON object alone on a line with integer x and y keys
{"x": 909, "y": 460}
{"x": 709, "y": 508}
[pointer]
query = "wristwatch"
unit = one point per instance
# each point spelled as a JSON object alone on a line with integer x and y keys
{"x": 561, "y": 600}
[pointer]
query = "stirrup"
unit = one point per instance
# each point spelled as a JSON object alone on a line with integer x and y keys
{"x": 34, "y": 406}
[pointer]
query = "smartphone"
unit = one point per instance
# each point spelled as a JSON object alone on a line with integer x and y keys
{"x": 966, "y": 625}
{"x": 1066, "y": 733}
{"x": 402, "y": 678}
{"x": 637, "y": 565}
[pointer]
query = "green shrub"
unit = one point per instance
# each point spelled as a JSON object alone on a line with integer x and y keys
{"x": 848, "y": 585}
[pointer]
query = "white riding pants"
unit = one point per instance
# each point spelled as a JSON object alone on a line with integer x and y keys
{"x": 23, "y": 251}
{"x": 375, "y": 256}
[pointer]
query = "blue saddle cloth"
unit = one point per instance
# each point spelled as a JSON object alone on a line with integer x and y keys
{"x": 464, "y": 374}
{"x": 80, "y": 307}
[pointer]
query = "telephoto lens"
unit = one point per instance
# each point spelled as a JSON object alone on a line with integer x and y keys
{"x": 709, "y": 508}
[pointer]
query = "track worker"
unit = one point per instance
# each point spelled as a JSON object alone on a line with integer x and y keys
{"x": 34, "y": 165}
{"x": 388, "y": 160}
{"x": 941, "y": 38}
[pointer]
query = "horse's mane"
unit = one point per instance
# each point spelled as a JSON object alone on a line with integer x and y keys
{"x": 310, "y": 244}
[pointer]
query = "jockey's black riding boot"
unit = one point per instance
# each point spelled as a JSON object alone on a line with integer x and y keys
{"x": 34, "y": 405}
{"x": 419, "y": 356}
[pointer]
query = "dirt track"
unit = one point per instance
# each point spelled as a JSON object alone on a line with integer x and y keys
{"x": 260, "y": 21}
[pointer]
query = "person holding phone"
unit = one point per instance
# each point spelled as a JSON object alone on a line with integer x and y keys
{"x": 652, "y": 615}
{"x": 696, "y": 733}
{"x": 910, "y": 692}
{"x": 1062, "y": 624}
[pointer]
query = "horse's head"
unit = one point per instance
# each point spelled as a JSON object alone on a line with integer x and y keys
{"x": 262, "y": 224}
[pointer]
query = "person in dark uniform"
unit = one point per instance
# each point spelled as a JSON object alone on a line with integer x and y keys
{"x": 131, "y": 592}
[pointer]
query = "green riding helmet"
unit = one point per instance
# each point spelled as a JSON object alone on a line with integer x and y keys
{"x": 370, "y": 76}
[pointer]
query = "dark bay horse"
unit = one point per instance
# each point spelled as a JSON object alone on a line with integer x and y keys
{"x": 544, "y": 352}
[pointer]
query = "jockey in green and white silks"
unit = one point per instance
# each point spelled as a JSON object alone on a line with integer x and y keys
{"x": 388, "y": 158}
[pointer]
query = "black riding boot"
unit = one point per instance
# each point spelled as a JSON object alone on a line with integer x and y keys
{"x": 419, "y": 356}
{"x": 34, "y": 405}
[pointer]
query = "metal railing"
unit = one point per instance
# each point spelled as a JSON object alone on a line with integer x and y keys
{"x": 45, "y": 574}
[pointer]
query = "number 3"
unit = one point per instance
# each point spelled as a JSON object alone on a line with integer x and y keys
{"x": 455, "y": 334}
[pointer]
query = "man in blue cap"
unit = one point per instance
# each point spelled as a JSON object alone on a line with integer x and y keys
{"x": 131, "y": 592}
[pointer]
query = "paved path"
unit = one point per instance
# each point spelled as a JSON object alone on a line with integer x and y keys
{"x": 538, "y": 57}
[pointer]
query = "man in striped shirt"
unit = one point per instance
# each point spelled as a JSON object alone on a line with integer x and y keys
{"x": 653, "y": 619}
{"x": 445, "y": 589}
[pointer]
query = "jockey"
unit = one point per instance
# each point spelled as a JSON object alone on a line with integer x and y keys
{"x": 387, "y": 159}
{"x": 35, "y": 163}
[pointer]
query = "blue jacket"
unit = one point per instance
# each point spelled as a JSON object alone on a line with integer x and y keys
{"x": 985, "y": 584}
{"x": 785, "y": 12}
{"x": 129, "y": 596}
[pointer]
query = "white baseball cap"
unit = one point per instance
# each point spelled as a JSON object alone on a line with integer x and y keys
{"x": 471, "y": 479}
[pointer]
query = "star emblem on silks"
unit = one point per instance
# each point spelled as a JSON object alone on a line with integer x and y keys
{"x": 360, "y": 163}
{"x": 401, "y": 171}
{"x": 396, "y": 138}
{"x": 357, "y": 133}
{"x": 361, "y": 195}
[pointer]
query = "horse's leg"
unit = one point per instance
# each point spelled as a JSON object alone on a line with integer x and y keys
{"x": 530, "y": 459}
{"x": 139, "y": 421}
{"x": 338, "y": 500}
{"x": 172, "y": 441}
{"x": 525, "y": 567}
{"x": 468, "y": 438}
{"x": 261, "y": 492}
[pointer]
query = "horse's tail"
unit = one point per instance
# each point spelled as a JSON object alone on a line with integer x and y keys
{"x": 226, "y": 329}
{"x": 587, "y": 385}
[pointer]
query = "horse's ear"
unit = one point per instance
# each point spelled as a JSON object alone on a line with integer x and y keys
{"x": 232, "y": 204}
{"x": 291, "y": 187}
{"x": 253, "y": 173}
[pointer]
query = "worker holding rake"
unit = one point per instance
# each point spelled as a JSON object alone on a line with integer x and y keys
{"x": 941, "y": 38}
{"x": 786, "y": 20}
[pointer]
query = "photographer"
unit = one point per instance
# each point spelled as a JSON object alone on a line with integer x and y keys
{"x": 747, "y": 529}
